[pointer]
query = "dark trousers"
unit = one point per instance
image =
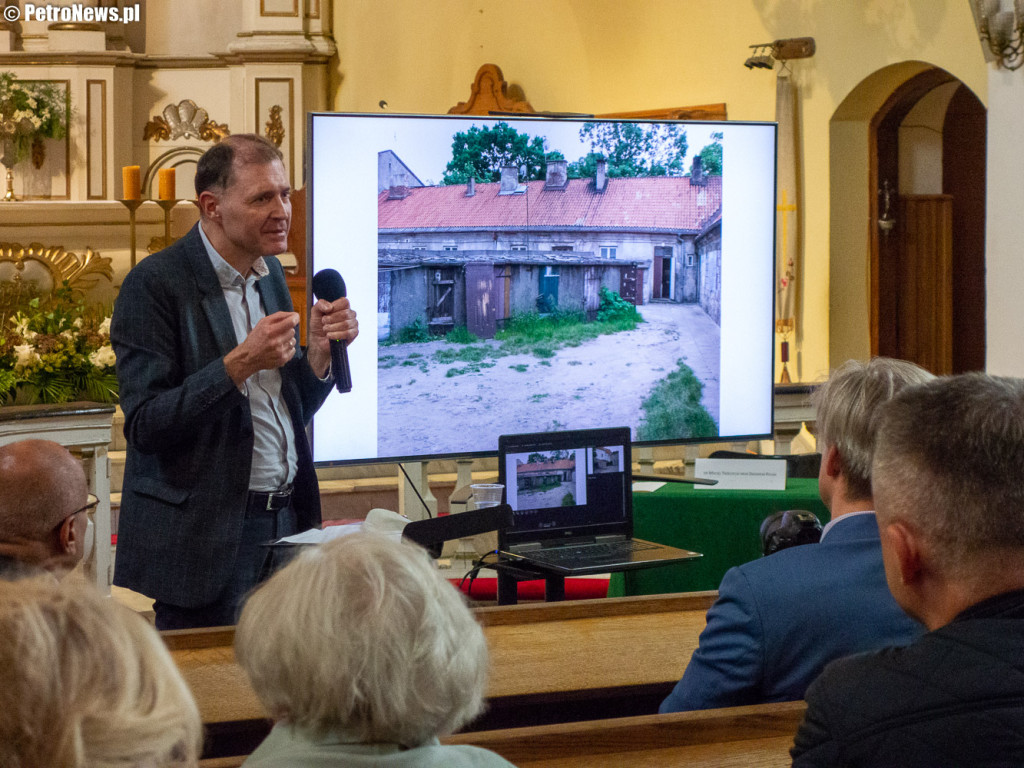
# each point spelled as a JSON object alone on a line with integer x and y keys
{"x": 253, "y": 563}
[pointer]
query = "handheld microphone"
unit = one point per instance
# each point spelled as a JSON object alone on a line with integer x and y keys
{"x": 328, "y": 284}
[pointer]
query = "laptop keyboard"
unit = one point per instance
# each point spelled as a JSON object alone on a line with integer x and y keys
{"x": 602, "y": 551}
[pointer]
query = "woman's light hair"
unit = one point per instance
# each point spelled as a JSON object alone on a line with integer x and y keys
{"x": 848, "y": 407}
{"x": 87, "y": 683}
{"x": 362, "y": 636}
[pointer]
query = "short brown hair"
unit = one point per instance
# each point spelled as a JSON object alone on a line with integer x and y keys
{"x": 213, "y": 171}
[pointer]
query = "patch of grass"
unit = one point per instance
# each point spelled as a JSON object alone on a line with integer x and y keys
{"x": 470, "y": 354}
{"x": 472, "y": 368}
{"x": 538, "y": 397}
{"x": 521, "y": 367}
{"x": 460, "y": 335}
{"x": 673, "y": 408}
{"x": 415, "y": 332}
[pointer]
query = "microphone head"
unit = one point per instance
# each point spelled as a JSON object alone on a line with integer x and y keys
{"x": 328, "y": 284}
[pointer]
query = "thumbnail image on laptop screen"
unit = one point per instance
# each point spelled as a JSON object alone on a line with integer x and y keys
{"x": 566, "y": 488}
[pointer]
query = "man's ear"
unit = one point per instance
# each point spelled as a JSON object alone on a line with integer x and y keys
{"x": 68, "y": 538}
{"x": 906, "y": 548}
{"x": 831, "y": 462}
{"x": 209, "y": 205}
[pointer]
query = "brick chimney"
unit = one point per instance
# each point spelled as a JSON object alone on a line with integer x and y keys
{"x": 601, "y": 175}
{"x": 697, "y": 177}
{"x": 509, "y": 180}
{"x": 398, "y": 193}
{"x": 557, "y": 174}
{"x": 471, "y": 187}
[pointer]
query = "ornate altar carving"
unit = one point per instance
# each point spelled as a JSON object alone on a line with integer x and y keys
{"x": 184, "y": 121}
{"x": 275, "y": 127}
{"x": 49, "y": 266}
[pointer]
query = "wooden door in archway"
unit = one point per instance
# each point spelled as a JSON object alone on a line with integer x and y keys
{"x": 927, "y": 251}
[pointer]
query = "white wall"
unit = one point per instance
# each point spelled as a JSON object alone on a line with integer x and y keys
{"x": 1004, "y": 232}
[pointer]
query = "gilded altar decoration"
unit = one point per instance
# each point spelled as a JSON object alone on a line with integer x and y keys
{"x": 29, "y": 113}
{"x": 184, "y": 120}
{"x": 53, "y": 347}
{"x": 275, "y": 127}
{"x": 47, "y": 267}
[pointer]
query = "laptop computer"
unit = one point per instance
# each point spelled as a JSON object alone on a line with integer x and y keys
{"x": 572, "y": 502}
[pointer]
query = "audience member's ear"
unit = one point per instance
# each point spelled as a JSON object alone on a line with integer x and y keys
{"x": 831, "y": 462}
{"x": 71, "y": 539}
{"x": 905, "y": 548}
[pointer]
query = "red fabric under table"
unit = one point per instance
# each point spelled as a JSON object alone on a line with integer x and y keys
{"x": 575, "y": 589}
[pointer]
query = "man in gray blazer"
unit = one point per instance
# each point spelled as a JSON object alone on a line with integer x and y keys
{"x": 217, "y": 394}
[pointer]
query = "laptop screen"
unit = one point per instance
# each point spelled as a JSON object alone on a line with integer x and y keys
{"x": 566, "y": 484}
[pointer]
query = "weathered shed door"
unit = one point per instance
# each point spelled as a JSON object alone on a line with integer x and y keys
{"x": 441, "y": 309}
{"x": 629, "y": 284}
{"x": 547, "y": 301}
{"x": 591, "y": 293}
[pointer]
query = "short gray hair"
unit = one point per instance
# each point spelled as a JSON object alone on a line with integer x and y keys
{"x": 950, "y": 461}
{"x": 88, "y": 683}
{"x": 848, "y": 406}
{"x": 362, "y": 636}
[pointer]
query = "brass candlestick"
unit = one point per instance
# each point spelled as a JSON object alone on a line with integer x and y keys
{"x": 9, "y": 197}
{"x": 168, "y": 206}
{"x": 132, "y": 206}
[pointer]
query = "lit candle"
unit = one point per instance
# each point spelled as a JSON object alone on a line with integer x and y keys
{"x": 166, "y": 184}
{"x": 131, "y": 182}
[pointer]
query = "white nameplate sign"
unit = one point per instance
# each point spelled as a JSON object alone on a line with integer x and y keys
{"x": 742, "y": 474}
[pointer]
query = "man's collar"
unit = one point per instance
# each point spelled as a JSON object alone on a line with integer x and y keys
{"x": 832, "y": 523}
{"x": 227, "y": 275}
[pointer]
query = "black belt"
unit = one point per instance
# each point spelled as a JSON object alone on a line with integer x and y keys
{"x": 268, "y": 501}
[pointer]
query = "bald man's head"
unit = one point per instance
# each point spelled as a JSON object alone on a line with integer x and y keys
{"x": 41, "y": 485}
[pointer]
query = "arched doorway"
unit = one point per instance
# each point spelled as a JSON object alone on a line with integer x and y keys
{"x": 921, "y": 136}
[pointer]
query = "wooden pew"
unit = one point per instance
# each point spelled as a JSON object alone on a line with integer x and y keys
{"x": 753, "y": 737}
{"x": 550, "y": 662}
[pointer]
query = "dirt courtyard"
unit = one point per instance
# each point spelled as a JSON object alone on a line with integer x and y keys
{"x": 599, "y": 383}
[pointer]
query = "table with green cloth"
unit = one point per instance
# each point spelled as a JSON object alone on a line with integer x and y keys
{"x": 723, "y": 525}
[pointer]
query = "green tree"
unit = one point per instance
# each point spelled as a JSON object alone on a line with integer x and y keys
{"x": 481, "y": 153}
{"x": 632, "y": 149}
{"x": 711, "y": 155}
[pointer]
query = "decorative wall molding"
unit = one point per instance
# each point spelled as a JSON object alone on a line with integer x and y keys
{"x": 184, "y": 121}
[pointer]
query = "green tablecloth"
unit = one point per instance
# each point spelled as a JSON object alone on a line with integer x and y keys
{"x": 722, "y": 525}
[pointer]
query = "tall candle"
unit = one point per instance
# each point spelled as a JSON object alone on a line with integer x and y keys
{"x": 131, "y": 182}
{"x": 166, "y": 184}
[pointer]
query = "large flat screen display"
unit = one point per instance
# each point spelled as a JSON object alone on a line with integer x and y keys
{"x": 518, "y": 275}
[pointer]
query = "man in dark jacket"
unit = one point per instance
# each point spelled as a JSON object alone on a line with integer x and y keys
{"x": 949, "y": 490}
{"x": 217, "y": 395}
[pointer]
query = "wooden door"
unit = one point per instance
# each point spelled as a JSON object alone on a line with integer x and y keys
{"x": 925, "y": 315}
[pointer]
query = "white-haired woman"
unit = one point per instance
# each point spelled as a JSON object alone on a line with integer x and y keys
{"x": 364, "y": 655}
{"x": 87, "y": 683}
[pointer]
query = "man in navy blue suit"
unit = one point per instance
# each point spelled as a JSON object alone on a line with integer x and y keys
{"x": 779, "y": 620}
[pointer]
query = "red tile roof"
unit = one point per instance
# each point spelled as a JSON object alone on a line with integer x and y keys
{"x": 546, "y": 466}
{"x": 660, "y": 203}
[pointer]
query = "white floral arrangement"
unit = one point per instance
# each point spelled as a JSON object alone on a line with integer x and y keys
{"x": 30, "y": 112}
{"x": 55, "y": 349}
